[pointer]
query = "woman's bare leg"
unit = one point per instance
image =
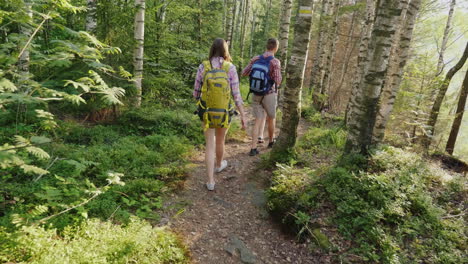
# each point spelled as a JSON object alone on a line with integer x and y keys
{"x": 210, "y": 154}
{"x": 220, "y": 139}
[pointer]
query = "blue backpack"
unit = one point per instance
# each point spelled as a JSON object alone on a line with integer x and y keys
{"x": 260, "y": 81}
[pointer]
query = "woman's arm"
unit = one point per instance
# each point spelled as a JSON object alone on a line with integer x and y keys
{"x": 236, "y": 94}
{"x": 198, "y": 82}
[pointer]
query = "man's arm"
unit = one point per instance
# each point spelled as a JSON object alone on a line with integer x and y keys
{"x": 248, "y": 69}
{"x": 276, "y": 72}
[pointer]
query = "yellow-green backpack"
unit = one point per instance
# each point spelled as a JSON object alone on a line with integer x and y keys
{"x": 216, "y": 99}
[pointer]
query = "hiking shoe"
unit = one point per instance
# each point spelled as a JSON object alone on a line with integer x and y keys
{"x": 254, "y": 152}
{"x": 210, "y": 186}
{"x": 223, "y": 166}
{"x": 270, "y": 145}
{"x": 260, "y": 140}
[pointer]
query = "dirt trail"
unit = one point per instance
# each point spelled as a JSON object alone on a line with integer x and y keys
{"x": 231, "y": 224}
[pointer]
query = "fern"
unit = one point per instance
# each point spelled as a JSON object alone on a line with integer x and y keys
{"x": 7, "y": 86}
{"x": 33, "y": 169}
{"x": 38, "y": 152}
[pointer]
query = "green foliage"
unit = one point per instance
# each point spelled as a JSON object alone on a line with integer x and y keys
{"x": 93, "y": 242}
{"x": 152, "y": 120}
{"x": 394, "y": 212}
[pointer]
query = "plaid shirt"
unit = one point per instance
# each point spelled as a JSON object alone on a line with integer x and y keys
{"x": 217, "y": 62}
{"x": 275, "y": 70}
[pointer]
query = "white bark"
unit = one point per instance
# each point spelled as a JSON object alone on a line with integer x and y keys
{"x": 366, "y": 30}
{"x": 294, "y": 82}
{"x": 443, "y": 46}
{"x": 319, "y": 55}
{"x": 139, "y": 52}
{"x": 394, "y": 77}
{"x": 364, "y": 107}
{"x": 332, "y": 38}
{"x": 284, "y": 33}
{"x": 91, "y": 21}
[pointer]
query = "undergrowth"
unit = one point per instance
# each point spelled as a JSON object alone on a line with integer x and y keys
{"x": 147, "y": 149}
{"x": 391, "y": 208}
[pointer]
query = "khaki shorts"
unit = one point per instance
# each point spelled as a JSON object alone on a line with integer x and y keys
{"x": 262, "y": 104}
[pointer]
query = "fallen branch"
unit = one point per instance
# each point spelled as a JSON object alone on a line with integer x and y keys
{"x": 47, "y": 17}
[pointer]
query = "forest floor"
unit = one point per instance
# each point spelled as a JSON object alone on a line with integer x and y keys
{"x": 231, "y": 224}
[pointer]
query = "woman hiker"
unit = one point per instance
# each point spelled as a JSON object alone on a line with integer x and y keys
{"x": 216, "y": 86}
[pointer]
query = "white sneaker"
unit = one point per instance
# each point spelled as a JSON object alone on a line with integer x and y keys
{"x": 210, "y": 186}
{"x": 223, "y": 166}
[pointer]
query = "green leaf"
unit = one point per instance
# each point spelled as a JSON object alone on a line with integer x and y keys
{"x": 7, "y": 86}
{"x": 40, "y": 140}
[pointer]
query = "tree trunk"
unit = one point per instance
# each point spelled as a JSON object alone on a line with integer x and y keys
{"x": 395, "y": 74}
{"x": 364, "y": 107}
{"x": 252, "y": 32}
{"x": 199, "y": 18}
{"x": 225, "y": 15}
{"x": 458, "y": 116}
{"x": 91, "y": 20}
{"x": 319, "y": 55}
{"x": 24, "y": 59}
{"x": 366, "y": 30}
{"x": 243, "y": 31}
{"x": 443, "y": 46}
{"x": 138, "y": 53}
{"x": 240, "y": 15}
{"x": 441, "y": 95}
{"x": 284, "y": 34}
{"x": 294, "y": 82}
{"x": 267, "y": 20}
{"x": 350, "y": 46}
{"x": 230, "y": 24}
{"x": 332, "y": 38}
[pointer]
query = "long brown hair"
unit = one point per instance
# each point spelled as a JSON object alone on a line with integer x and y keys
{"x": 220, "y": 49}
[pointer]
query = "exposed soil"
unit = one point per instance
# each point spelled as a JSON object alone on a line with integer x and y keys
{"x": 231, "y": 224}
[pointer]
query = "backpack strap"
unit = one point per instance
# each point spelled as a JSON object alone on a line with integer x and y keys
{"x": 226, "y": 66}
{"x": 207, "y": 65}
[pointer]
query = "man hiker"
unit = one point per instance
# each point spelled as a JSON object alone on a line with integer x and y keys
{"x": 264, "y": 73}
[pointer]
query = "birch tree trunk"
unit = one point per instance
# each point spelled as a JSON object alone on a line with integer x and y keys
{"x": 441, "y": 95}
{"x": 395, "y": 74}
{"x": 267, "y": 19}
{"x": 349, "y": 49}
{"x": 240, "y": 15}
{"x": 443, "y": 46}
{"x": 91, "y": 20}
{"x": 284, "y": 34}
{"x": 366, "y": 30}
{"x": 364, "y": 107}
{"x": 332, "y": 38}
{"x": 458, "y": 116}
{"x": 294, "y": 82}
{"x": 199, "y": 20}
{"x": 230, "y": 24}
{"x": 316, "y": 66}
{"x": 225, "y": 15}
{"x": 320, "y": 54}
{"x": 243, "y": 31}
{"x": 139, "y": 53}
{"x": 252, "y": 32}
{"x": 24, "y": 59}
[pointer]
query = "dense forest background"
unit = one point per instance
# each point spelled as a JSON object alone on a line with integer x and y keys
{"x": 97, "y": 127}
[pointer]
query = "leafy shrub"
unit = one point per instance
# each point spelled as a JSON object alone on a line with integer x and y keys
{"x": 147, "y": 121}
{"x": 288, "y": 188}
{"x": 73, "y": 133}
{"x": 93, "y": 242}
{"x": 394, "y": 212}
